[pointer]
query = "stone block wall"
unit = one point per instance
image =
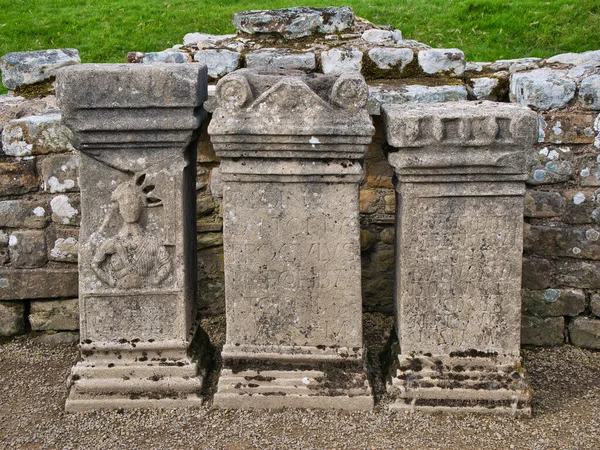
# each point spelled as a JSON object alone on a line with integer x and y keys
{"x": 39, "y": 208}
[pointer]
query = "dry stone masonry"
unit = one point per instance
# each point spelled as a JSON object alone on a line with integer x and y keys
{"x": 459, "y": 238}
{"x": 135, "y": 128}
{"x": 291, "y": 147}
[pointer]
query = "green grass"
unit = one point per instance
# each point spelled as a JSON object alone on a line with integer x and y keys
{"x": 105, "y": 30}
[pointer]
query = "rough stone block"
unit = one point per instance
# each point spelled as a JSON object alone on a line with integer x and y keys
{"x": 17, "y": 177}
{"x": 577, "y": 274}
{"x": 12, "y": 107}
{"x": 27, "y": 248}
{"x": 4, "y": 255}
{"x": 19, "y": 68}
{"x": 66, "y": 209}
{"x": 540, "y": 204}
{"x": 542, "y": 89}
{"x": 589, "y": 170}
{"x": 278, "y": 60}
{"x": 55, "y": 338}
{"x": 23, "y": 214}
{"x": 585, "y": 332}
{"x": 580, "y": 206}
{"x": 576, "y": 59}
{"x": 60, "y": 173}
{"x": 595, "y": 304}
{"x": 387, "y": 94}
{"x": 368, "y": 201}
{"x": 19, "y": 284}
{"x": 572, "y": 127}
{"x": 537, "y": 273}
{"x": 54, "y": 315}
{"x": 589, "y": 92}
{"x": 561, "y": 242}
{"x": 293, "y": 23}
{"x": 391, "y": 58}
{"x": 554, "y": 302}
{"x": 218, "y": 62}
{"x": 542, "y": 332}
{"x": 166, "y": 58}
{"x": 337, "y": 62}
{"x": 63, "y": 244}
{"x": 484, "y": 88}
{"x": 192, "y": 39}
{"x": 374, "y": 35}
{"x": 450, "y": 61}
{"x": 12, "y": 318}
{"x": 507, "y": 64}
{"x": 35, "y": 135}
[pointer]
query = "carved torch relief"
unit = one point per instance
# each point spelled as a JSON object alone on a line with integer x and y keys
{"x": 139, "y": 255}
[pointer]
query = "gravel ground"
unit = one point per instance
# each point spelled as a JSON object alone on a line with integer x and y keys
{"x": 566, "y": 381}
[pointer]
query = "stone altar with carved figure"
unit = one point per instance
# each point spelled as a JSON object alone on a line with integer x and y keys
{"x": 291, "y": 148}
{"x": 135, "y": 127}
{"x": 460, "y": 180}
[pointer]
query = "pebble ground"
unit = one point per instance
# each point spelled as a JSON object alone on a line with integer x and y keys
{"x": 566, "y": 381}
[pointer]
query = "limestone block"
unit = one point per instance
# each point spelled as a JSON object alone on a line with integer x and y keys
{"x": 17, "y": 177}
{"x": 218, "y": 62}
{"x": 572, "y": 127}
{"x": 562, "y": 242}
{"x": 368, "y": 201}
{"x": 12, "y": 107}
{"x": 595, "y": 304}
{"x": 542, "y": 89}
{"x": 60, "y": 173}
{"x": 540, "y": 204}
{"x": 580, "y": 206}
{"x": 27, "y": 248}
{"x": 192, "y": 39}
{"x": 18, "y": 284}
{"x": 589, "y": 92}
{"x": 585, "y": 333}
{"x": 375, "y": 36}
{"x": 166, "y": 57}
{"x": 554, "y": 302}
{"x": 35, "y": 135}
{"x": 387, "y": 94}
{"x": 20, "y": 68}
{"x": 482, "y": 88}
{"x": 460, "y": 172}
{"x": 12, "y": 318}
{"x": 63, "y": 245}
{"x": 56, "y": 338}
{"x": 293, "y": 23}
{"x": 23, "y": 214}
{"x": 577, "y": 274}
{"x": 576, "y": 59}
{"x": 543, "y": 332}
{"x": 507, "y": 64}
{"x": 54, "y": 315}
{"x": 292, "y": 239}
{"x": 337, "y": 62}
{"x": 66, "y": 209}
{"x": 578, "y": 73}
{"x": 449, "y": 61}
{"x": 536, "y": 273}
{"x": 277, "y": 60}
{"x": 135, "y": 126}
{"x": 589, "y": 173}
{"x": 391, "y": 58}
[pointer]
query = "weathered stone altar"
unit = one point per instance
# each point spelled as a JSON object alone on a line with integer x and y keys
{"x": 135, "y": 127}
{"x": 291, "y": 146}
{"x": 460, "y": 173}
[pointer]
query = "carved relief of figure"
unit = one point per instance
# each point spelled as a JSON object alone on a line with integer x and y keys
{"x": 132, "y": 259}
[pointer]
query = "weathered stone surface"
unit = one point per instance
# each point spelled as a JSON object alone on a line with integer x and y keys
{"x": 23, "y": 214}
{"x": 576, "y": 59}
{"x": 291, "y": 238}
{"x": 536, "y": 273}
{"x": 507, "y": 64}
{"x": 589, "y": 92}
{"x": 458, "y": 295}
{"x": 211, "y": 281}
{"x": 19, "y": 68}
{"x": 542, "y": 89}
{"x": 27, "y": 248}
{"x": 60, "y": 173}
{"x": 165, "y": 57}
{"x": 17, "y": 177}
{"x": 595, "y": 304}
{"x": 35, "y": 135}
{"x": 55, "y": 338}
{"x": 278, "y": 60}
{"x": 449, "y": 61}
{"x": 4, "y": 256}
{"x": 562, "y": 242}
{"x": 337, "y": 62}
{"x": 580, "y": 206}
{"x": 577, "y": 274}
{"x": 543, "y": 332}
{"x": 554, "y": 302}
{"x": 578, "y": 73}
{"x": 21, "y": 284}
{"x": 544, "y": 204}
{"x": 54, "y": 315}
{"x": 66, "y": 209}
{"x": 134, "y": 126}
{"x": 206, "y": 39}
{"x": 374, "y": 35}
{"x": 589, "y": 170}
{"x": 12, "y": 318}
{"x": 218, "y": 62}
{"x": 386, "y": 94}
{"x": 63, "y": 244}
{"x": 483, "y": 88}
{"x": 12, "y": 107}
{"x": 585, "y": 332}
{"x": 391, "y": 58}
{"x": 572, "y": 127}
{"x": 292, "y": 23}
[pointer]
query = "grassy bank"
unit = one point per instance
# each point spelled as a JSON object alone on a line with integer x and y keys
{"x": 105, "y": 30}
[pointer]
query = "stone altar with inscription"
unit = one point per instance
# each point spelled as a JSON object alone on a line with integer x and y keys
{"x": 291, "y": 148}
{"x": 460, "y": 172}
{"x": 135, "y": 126}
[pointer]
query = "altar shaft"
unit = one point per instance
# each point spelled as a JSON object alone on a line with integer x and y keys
{"x": 291, "y": 147}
